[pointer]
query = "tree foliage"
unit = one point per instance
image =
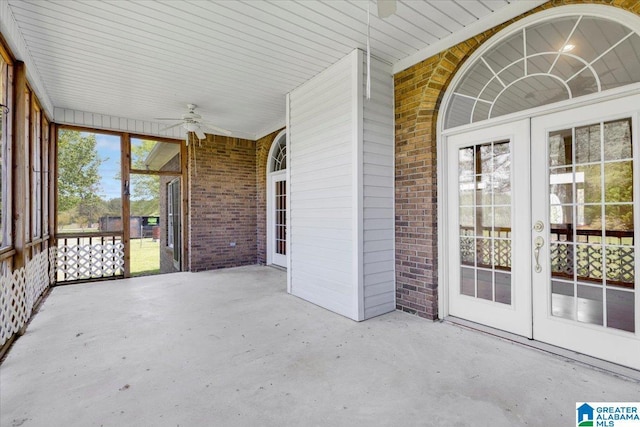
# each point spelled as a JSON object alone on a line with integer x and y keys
{"x": 78, "y": 176}
{"x": 143, "y": 187}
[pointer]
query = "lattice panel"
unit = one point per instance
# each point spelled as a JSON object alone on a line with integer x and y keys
{"x": 90, "y": 261}
{"x": 621, "y": 263}
{"x": 20, "y": 290}
{"x": 589, "y": 261}
{"x": 467, "y": 250}
{"x": 53, "y": 255}
{"x": 502, "y": 253}
{"x": 561, "y": 259}
{"x": 484, "y": 253}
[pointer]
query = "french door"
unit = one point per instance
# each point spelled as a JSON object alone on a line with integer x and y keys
{"x": 542, "y": 233}
{"x": 489, "y": 260}
{"x": 584, "y": 194}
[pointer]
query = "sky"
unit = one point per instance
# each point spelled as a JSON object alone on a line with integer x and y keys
{"x": 108, "y": 147}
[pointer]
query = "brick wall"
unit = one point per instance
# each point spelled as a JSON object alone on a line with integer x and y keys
{"x": 418, "y": 94}
{"x": 166, "y": 253}
{"x": 263, "y": 145}
{"x": 222, "y": 203}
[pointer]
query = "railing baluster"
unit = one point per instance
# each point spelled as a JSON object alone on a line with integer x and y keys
{"x": 89, "y": 256}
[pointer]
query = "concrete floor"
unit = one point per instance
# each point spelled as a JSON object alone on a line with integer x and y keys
{"x": 231, "y": 348}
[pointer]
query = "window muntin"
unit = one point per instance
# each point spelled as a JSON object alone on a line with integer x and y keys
{"x": 278, "y": 160}
{"x": 546, "y": 62}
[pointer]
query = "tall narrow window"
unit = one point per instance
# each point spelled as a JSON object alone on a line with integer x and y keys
{"x": 5, "y": 155}
{"x": 173, "y": 218}
{"x": 36, "y": 173}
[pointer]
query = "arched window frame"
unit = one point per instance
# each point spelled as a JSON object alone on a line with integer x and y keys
{"x": 277, "y": 160}
{"x": 607, "y": 12}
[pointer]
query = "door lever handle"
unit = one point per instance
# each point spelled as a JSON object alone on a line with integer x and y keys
{"x": 538, "y": 243}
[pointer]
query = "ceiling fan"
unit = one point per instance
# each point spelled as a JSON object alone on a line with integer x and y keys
{"x": 192, "y": 122}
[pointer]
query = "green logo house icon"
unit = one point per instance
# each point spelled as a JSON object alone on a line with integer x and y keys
{"x": 585, "y": 415}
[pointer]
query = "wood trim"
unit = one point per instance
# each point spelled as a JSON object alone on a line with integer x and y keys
{"x": 46, "y": 183}
{"x": 18, "y": 183}
{"x": 91, "y": 130}
{"x": 11, "y": 144}
{"x": 90, "y": 234}
{"x": 164, "y": 173}
{"x": 7, "y": 253}
{"x": 125, "y": 148}
{"x": 156, "y": 138}
{"x": 5, "y": 52}
{"x": 53, "y": 187}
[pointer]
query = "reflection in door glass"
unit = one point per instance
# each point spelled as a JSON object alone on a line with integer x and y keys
{"x": 484, "y": 177}
{"x": 592, "y": 240}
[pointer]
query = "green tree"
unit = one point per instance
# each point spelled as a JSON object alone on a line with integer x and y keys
{"x": 78, "y": 175}
{"x": 143, "y": 187}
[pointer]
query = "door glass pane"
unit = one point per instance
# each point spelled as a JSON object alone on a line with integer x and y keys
{"x": 280, "y": 231}
{"x": 484, "y": 173}
{"x": 591, "y": 236}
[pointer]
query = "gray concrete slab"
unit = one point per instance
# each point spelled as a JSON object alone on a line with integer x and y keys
{"x": 231, "y": 348}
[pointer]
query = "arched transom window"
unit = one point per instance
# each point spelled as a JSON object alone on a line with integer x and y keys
{"x": 557, "y": 59}
{"x": 278, "y": 160}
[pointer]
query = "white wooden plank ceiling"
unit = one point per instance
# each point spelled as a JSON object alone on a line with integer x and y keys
{"x": 235, "y": 59}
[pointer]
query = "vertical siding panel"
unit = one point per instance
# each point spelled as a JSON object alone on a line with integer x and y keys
{"x": 341, "y": 183}
{"x": 378, "y": 215}
{"x": 99, "y": 121}
{"x": 68, "y": 117}
{"x": 58, "y": 115}
{"x": 321, "y": 229}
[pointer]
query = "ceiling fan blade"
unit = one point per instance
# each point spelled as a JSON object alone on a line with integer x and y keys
{"x": 199, "y": 133}
{"x": 165, "y": 118}
{"x": 171, "y": 127}
{"x": 216, "y": 128}
{"x": 386, "y": 8}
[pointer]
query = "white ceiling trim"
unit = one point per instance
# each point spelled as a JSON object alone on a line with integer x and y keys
{"x": 498, "y": 17}
{"x": 17, "y": 44}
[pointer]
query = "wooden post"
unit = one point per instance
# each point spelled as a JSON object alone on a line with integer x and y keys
{"x": 125, "y": 145}
{"x": 53, "y": 184}
{"x": 20, "y": 165}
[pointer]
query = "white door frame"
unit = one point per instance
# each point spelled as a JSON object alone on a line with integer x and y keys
{"x": 607, "y": 343}
{"x": 272, "y": 177}
{"x": 516, "y": 316}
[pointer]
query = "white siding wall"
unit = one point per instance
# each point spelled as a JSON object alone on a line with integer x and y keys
{"x": 341, "y": 193}
{"x": 121, "y": 124}
{"x": 378, "y": 203}
{"x": 321, "y": 205}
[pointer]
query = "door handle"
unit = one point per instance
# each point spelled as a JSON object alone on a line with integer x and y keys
{"x": 538, "y": 243}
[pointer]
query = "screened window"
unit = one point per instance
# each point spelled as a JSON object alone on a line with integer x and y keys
{"x": 5, "y": 157}
{"x": 36, "y": 174}
{"x": 557, "y": 59}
